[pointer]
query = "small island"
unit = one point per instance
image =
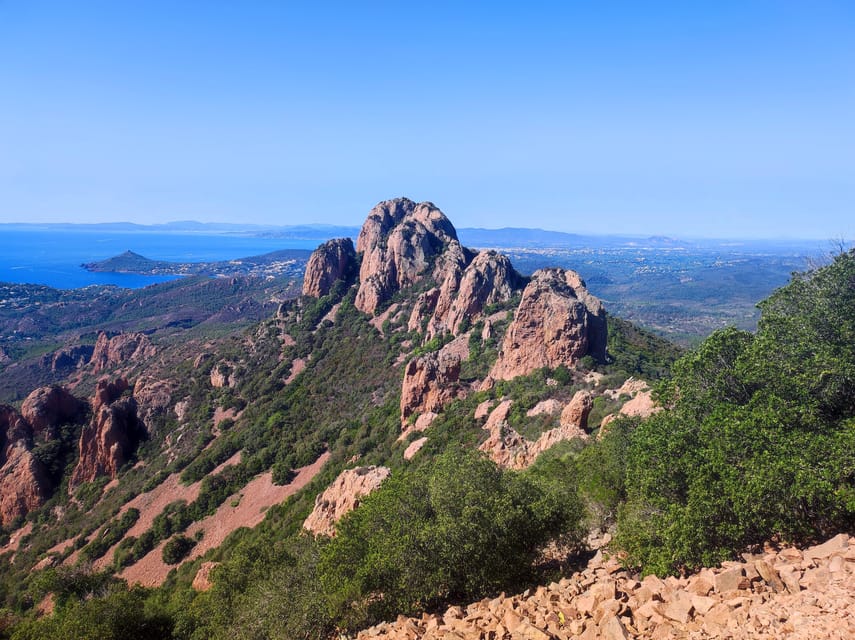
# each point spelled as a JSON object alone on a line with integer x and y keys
{"x": 285, "y": 263}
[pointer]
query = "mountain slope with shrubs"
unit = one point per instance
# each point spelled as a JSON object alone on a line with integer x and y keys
{"x": 512, "y": 414}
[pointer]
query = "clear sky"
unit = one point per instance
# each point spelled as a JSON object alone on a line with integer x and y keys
{"x": 725, "y": 119}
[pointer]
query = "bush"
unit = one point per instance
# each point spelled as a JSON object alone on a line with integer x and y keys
{"x": 456, "y": 530}
{"x": 759, "y": 440}
{"x": 177, "y": 548}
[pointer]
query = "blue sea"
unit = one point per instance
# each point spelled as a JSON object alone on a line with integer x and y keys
{"x": 53, "y": 257}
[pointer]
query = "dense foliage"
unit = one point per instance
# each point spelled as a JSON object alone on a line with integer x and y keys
{"x": 759, "y": 437}
{"x": 456, "y": 530}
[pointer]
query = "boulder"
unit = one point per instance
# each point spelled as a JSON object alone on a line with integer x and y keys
{"x": 575, "y": 414}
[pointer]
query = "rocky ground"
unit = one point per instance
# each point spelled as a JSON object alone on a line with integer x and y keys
{"x": 782, "y": 593}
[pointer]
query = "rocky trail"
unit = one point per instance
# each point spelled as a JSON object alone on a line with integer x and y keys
{"x": 787, "y": 593}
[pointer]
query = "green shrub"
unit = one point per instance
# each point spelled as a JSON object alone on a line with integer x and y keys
{"x": 759, "y": 438}
{"x": 455, "y": 530}
{"x": 177, "y": 548}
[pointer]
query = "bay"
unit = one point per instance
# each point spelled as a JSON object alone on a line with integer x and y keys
{"x": 53, "y": 257}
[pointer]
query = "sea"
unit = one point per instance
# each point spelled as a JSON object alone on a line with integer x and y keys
{"x": 54, "y": 257}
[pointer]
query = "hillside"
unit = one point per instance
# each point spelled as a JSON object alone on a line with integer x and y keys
{"x": 423, "y": 426}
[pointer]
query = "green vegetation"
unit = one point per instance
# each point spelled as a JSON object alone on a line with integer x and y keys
{"x": 457, "y": 530}
{"x": 759, "y": 438}
{"x": 177, "y": 548}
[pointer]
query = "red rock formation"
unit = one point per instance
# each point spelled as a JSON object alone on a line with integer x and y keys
{"x": 333, "y": 260}
{"x": 399, "y": 242}
{"x": 153, "y": 398}
{"x": 557, "y": 323}
{"x": 120, "y": 349}
{"x": 108, "y": 440}
{"x": 202, "y": 581}
{"x": 429, "y": 382}
{"x": 509, "y": 449}
{"x": 465, "y": 288}
{"x": 67, "y": 359}
{"x": 575, "y": 414}
{"x": 24, "y": 484}
{"x": 342, "y": 496}
{"x": 47, "y": 408}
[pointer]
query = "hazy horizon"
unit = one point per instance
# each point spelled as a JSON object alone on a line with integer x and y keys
{"x": 725, "y": 120}
{"x": 177, "y": 226}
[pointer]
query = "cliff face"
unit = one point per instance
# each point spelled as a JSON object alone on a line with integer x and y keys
{"x": 557, "y": 323}
{"x": 333, "y": 260}
{"x": 48, "y": 407}
{"x": 430, "y": 381}
{"x": 107, "y": 442}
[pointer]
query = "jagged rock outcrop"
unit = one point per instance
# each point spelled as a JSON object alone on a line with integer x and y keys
{"x": 24, "y": 482}
{"x": 342, "y": 496}
{"x": 430, "y": 381}
{"x": 557, "y": 323}
{"x": 120, "y": 349}
{"x": 108, "y": 441}
{"x": 398, "y": 242}
{"x": 333, "y": 260}
{"x": 223, "y": 375}
{"x": 800, "y": 595}
{"x": 46, "y": 408}
{"x": 466, "y": 286}
{"x": 507, "y": 448}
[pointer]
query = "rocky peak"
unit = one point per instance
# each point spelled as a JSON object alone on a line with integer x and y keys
{"x": 333, "y": 260}
{"x": 398, "y": 242}
{"x": 47, "y": 408}
{"x": 557, "y": 323}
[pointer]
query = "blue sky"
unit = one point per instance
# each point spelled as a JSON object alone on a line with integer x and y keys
{"x": 724, "y": 119}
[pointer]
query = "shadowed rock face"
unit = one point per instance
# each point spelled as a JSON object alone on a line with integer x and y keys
{"x": 333, "y": 260}
{"x": 557, "y": 323}
{"x": 107, "y": 442}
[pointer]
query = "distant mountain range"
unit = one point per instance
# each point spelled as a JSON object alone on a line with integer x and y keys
{"x": 517, "y": 237}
